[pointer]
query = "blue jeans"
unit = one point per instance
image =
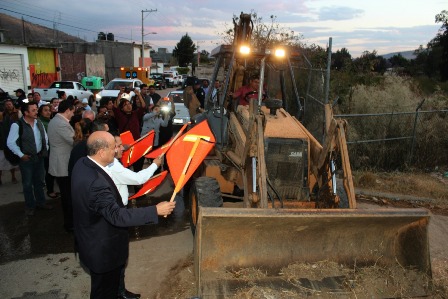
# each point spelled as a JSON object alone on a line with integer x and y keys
{"x": 33, "y": 181}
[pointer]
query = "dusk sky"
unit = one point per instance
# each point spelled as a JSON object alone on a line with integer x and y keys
{"x": 384, "y": 26}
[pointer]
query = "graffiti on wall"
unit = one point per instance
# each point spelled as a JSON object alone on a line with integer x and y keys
{"x": 42, "y": 79}
{"x": 80, "y": 76}
{"x": 9, "y": 75}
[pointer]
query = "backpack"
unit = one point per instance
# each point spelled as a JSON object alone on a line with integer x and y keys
{"x": 9, "y": 155}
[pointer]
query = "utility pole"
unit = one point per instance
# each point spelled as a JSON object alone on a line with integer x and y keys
{"x": 199, "y": 54}
{"x": 23, "y": 31}
{"x": 143, "y": 35}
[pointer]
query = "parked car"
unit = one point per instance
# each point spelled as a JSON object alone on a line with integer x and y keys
{"x": 112, "y": 89}
{"x": 171, "y": 78}
{"x": 72, "y": 88}
{"x": 182, "y": 115}
{"x": 159, "y": 79}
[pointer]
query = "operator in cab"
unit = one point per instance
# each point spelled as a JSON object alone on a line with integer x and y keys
{"x": 246, "y": 92}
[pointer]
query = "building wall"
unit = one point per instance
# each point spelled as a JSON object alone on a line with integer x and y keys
{"x": 73, "y": 66}
{"x": 95, "y": 65}
{"x": 42, "y": 66}
{"x": 116, "y": 54}
{"x": 138, "y": 58}
{"x": 14, "y": 68}
{"x": 39, "y": 67}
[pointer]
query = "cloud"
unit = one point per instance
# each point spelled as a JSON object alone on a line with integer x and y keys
{"x": 381, "y": 39}
{"x": 339, "y": 13}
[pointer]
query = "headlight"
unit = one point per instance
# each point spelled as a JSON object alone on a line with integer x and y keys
{"x": 165, "y": 109}
{"x": 98, "y": 96}
{"x": 244, "y": 49}
{"x": 279, "y": 53}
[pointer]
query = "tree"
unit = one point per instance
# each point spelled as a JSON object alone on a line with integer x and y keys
{"x": 341, "y": 60}
{"x": 398, "y": 61}
{"x": 370, "y": 62}
{"x": 184, "y": 51}
{"x": 440, "y": 44}
{"x": 265, "y": 35}
{"x": 204, "y": 57}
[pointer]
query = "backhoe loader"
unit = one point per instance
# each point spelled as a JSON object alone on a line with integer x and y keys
{"x": 271, "y": 195}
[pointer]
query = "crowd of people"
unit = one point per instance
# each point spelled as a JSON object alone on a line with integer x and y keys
{"x": 67, "y": 142}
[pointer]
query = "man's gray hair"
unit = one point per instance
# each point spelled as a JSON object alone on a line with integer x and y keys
{"x": 95, "y": 145}
{"x": 88, "y": 114}
{"x": 99, "y": 125}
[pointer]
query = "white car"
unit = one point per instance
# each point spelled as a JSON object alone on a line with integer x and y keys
{"x": 112, "y": 89}
{"x": 172, "y": 78}
{"x": 182, "y": 114}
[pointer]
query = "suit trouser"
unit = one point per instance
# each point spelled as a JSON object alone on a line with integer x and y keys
{"x": 105, "y": 285}
{"x": 49, "y": 179}
{"x": 66, "y": 200}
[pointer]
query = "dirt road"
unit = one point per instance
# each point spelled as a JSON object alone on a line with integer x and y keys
{"x": 37, "y": 259}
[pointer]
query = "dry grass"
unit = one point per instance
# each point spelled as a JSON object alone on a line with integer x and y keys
{"x": 426, "y": 185}
{"x": 388, "y": 100}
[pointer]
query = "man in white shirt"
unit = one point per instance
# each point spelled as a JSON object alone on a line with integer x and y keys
{"x": 123, "y": 176}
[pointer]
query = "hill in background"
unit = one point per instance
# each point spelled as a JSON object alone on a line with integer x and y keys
{"x": 409, "y": 55}
{"x": 16, "y": 32}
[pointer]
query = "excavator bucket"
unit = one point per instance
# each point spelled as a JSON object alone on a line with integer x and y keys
{"x": 365, "y": 253}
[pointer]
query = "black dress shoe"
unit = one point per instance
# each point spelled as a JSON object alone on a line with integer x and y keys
{"x": 128, "y": 295}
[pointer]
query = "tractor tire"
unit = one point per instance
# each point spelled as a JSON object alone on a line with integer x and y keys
{"x": 204, "y": 192}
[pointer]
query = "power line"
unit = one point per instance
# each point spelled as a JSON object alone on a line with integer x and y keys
{"x": 45, "y": 13}
{"x": 23, "y": 14}
{"x": 54, "y": 22}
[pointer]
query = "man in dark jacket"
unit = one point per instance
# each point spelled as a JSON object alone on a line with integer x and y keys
{"x": 100, "y": 218}
{"x": 28, "y": 140}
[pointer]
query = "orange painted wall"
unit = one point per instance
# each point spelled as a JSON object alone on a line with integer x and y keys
{"x": 42, "y": 66}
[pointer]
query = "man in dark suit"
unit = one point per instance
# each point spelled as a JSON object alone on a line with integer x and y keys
{"x": 100, "y": 218}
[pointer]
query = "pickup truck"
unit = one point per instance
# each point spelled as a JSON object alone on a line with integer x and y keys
{"x": 171, "y": 78}
{"x": 111, "y": 90}
{"x": 70, "y": 87}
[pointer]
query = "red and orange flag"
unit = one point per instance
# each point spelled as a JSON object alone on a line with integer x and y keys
{"x": 137, "y": 149}
{"x": 150, "y": 185}
{"x": 164, "y": 148}
{"x": 188, "y": 152}
{"x": 127, "y": 138}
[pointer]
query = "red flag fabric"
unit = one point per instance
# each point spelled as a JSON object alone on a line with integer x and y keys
{"x": 137, "y": 149}
{"x": 164, "y": 148}
{"x": 127, "y": 138}
{"x": 150, "y": 185}
{"x": 188, "y": 152}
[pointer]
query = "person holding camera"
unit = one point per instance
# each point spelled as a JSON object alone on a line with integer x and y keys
{"x": 158, "y": 117}
{"x": 129, "y": 119}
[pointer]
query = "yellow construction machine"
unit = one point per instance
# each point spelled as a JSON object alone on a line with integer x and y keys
{"x": 270, "y": 195}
